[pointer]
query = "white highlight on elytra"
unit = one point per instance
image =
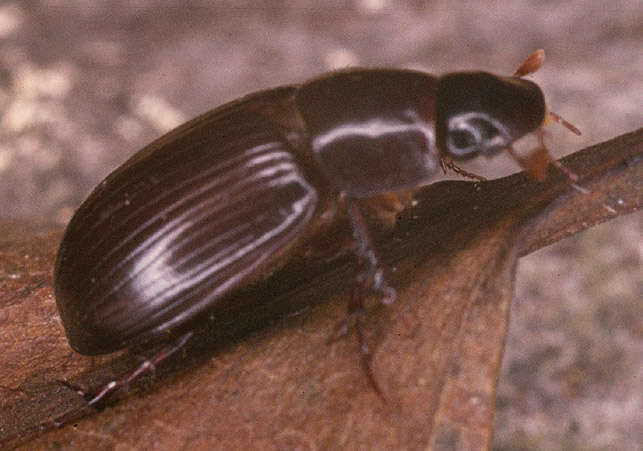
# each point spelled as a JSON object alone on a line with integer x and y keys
{"x": 161, "y": 280}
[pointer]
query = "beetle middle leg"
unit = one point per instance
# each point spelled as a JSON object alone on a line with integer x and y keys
{"x": 369, "y": 277}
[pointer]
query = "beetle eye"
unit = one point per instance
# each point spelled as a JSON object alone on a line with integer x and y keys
{"x": 471, "y": 134}
{"x": 462, "y": 140}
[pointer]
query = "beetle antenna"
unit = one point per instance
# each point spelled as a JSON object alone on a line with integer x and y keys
{"x": 531, "y": 64}
{"x": 559, "y": 119}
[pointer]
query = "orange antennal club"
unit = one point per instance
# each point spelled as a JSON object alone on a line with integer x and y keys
{"x": 531, "y": 64}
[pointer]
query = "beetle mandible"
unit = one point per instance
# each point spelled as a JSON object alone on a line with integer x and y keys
{"x": 229, "y": 196}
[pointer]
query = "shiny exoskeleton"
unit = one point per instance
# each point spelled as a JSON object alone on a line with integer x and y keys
{"x": 228, "y": 197}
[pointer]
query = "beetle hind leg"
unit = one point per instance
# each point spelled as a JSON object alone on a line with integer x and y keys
{"x": 148, "y": 365}
{"x": 93, "y": 400}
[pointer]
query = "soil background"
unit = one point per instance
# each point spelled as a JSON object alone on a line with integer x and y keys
{"x": 86, "y": 83}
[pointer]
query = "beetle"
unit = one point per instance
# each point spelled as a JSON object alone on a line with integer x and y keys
{"x": 227, "y": 198}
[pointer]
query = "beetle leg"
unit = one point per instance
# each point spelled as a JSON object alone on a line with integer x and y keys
{"x": 368, "y": 276}
{"x": 536, "y": 162}
{"x": 371, "y": 274}
{"x": 571, "y": 176}
{"x": 355, "y": 318}
{"x": 355, "y": 315}
{"x": 447, "y": 163}
{"x": 146, "y": 366}
{"x": 112, "y": 386}
{"x": 107, "y": 389}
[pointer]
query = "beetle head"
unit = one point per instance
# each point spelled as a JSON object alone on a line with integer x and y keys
{"x": 481, "y": 113}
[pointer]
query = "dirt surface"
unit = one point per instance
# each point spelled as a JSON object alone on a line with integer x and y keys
{"x": 84, "y": 84}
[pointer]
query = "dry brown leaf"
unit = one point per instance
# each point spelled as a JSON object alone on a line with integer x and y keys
{"x": 437, "y": 349}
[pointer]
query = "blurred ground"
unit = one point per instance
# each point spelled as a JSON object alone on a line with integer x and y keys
{"x": 85, "y": 83}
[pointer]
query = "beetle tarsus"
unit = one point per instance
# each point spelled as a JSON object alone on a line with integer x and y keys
{"x": 366, "y": 358}
{"x": 355, "y": 317}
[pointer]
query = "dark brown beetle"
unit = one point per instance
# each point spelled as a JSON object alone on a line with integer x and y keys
{"x": 228, "y": 197}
